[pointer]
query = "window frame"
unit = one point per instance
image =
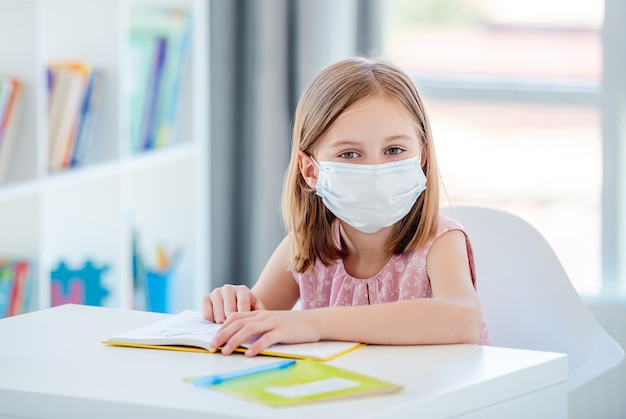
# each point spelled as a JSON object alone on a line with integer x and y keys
{"x": 614, "y": 149}
{"x": 609, "y": 96}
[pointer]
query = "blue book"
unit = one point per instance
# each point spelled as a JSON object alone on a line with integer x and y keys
{"x": 179, "y": 37}
{"x": 150, "y": 113}
{"x": 141, "y": 57}
{"x": 85, "y": 121}
{"x": 174, "y": 26}
{"x": 6, "y": 285}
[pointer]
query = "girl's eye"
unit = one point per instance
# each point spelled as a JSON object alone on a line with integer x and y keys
{"x": 394, "y": 151}
{"x": 349, "y": 155}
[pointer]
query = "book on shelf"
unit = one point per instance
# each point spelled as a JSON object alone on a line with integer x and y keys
{"x": 74, "y": 95}
{"x": 10, "y": 110}
{"x": 303, "y": 382}
{"x": 15, "y": 287}
{"x": 158, "y": 45}
{"x": 86, "y": 120}
{"x": 189, "y": 331}
{"x": 149, "y": 121}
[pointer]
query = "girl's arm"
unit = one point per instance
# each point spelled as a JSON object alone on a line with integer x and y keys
{"x": 274, "y": 290}
{"x": 451, "y": 316}
{"x": 276, "y": 287}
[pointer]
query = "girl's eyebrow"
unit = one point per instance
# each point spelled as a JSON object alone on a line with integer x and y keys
{"x": 398, "y": 137}
{"x": 351, "y": 143}
{"x": 344, "y": 143}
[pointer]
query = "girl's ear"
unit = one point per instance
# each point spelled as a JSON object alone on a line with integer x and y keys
{"x": 307, "y": 168}
{"x": 424, "y": 155}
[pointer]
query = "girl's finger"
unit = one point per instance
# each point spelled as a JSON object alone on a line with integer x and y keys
{"x": 240, "y": 331}
{"x": 243, "y": 299}
{"x": 207, "y": 308}
{"x": 229, "y": 300}
{"x": 223, "y": 335}
{"x": 263, "y": 342}
{"x": 217, "y": 305}
{"x": 256, "y": 304}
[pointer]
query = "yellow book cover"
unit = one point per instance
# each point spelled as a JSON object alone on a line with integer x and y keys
{"x": 189, "y": 331}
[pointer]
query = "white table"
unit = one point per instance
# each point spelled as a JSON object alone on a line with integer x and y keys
{"x": 53, "y": 365}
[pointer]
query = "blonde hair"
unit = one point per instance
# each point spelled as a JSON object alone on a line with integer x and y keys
{"x": 327, "y": 96}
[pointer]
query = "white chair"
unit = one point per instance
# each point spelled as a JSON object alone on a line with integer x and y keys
{"x": 528, "y": 299}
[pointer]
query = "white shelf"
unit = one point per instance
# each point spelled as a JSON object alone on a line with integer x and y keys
{"x": 18, "y": 190}
{"x": 160, "y": 157}
{"x": 91, "y": 211}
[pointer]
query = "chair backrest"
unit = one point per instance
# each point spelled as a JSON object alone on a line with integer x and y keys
{"x": 528, "y": 299}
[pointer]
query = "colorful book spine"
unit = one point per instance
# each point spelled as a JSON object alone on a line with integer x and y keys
{"x": 86, "y": 121}
{"x": 74, "y": 90}
{"x": 70, "y": 82}
{"x": 159, "y": 39}
{"x": 20, "y": 275}
{"x": 7, "y": 87}
{"x": 15, "y": 287}
{"x": 10, "y": 109}
{"x": 176, "y": 65}
{"x": 149, "y": 121}
{"x": 6, "y": 284}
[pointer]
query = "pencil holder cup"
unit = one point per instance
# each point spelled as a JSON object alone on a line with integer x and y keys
{"x": 158, "y": 289}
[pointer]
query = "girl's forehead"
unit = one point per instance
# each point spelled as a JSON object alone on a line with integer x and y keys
{"x": 373, "y": 101}
{"x": 372, "y": 117}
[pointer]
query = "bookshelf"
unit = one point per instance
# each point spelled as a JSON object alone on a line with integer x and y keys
{"x": 96, "y": 210}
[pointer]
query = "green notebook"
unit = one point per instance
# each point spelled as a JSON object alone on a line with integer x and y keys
{"x": 307, "y": 381}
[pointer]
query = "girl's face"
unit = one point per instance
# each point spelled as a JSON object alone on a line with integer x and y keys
{"x": 372, "y": 131}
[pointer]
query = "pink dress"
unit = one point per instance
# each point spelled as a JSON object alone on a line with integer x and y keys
{"x": 404, "y": 277}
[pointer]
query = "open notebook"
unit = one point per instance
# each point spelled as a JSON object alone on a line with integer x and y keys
{"x": 189, "y": 331}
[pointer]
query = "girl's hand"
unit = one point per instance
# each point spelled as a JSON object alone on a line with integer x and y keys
{"x": 223, "y": 301}
{"x": 269, "y": 327}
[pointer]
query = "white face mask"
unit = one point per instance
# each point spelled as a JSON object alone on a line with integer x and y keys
{"x": 370, "y": 197}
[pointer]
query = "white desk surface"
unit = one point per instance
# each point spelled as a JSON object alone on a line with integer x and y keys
{"x": 52, "y": 364}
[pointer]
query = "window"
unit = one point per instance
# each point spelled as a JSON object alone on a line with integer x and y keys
{"x": 513, "y": 93}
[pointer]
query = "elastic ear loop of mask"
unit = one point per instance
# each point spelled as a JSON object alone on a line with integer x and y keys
{"x": 314, "y": 162}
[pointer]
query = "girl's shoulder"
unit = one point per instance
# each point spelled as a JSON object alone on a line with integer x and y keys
{"x": 448, "y": 224}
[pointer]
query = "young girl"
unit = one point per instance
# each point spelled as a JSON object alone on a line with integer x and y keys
{"x": 367, "y": 252}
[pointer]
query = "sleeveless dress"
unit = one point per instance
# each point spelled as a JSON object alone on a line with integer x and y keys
{"x": 404, "y": 277}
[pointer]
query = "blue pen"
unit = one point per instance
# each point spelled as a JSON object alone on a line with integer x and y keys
{"x": 219, "y": 378}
